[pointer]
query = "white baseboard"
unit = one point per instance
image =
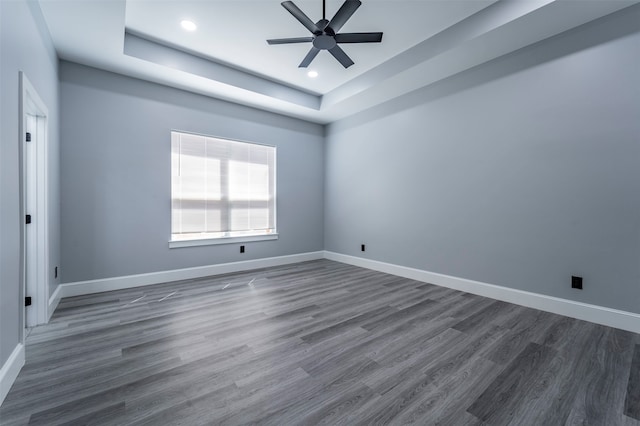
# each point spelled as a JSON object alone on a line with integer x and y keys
{"x": 54, "y": 300}
{"x": 129, "y": 281}
{"x": 597, "y": 314}
{"x": 10, "y": 369}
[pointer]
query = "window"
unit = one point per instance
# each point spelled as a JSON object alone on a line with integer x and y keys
{"x": 221, "y": 190}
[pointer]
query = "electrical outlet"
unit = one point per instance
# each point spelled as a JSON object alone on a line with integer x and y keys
{"x": 361, "y": 247}
{"x": 576, "y": 282}
{"x": 241, "y": 249}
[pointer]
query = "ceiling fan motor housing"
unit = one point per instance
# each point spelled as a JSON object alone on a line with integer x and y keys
{"x": 324, "y": 42}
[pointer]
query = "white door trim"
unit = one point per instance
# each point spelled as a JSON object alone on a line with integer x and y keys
{"x": 31, "y": 104}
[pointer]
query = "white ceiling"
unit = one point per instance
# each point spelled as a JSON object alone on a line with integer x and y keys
{"x": 227, "y": 56}
{"x": 236, "y": 32}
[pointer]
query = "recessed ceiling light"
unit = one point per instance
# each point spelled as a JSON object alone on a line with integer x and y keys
{"x": 188, "y": 25}
{"x": 312, "y": 74}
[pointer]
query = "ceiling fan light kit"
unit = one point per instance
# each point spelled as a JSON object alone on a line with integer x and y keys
{"x": 325, "y": 33}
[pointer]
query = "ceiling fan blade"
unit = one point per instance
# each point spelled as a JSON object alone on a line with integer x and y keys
{"x": 342, "y": 57}
{"x": 359, "y": 38}
{"x": 300, "y": 16}
{"x": 343, "y": 14}
{"x": 310, "y": 57}
{"x": 290, "y": 40}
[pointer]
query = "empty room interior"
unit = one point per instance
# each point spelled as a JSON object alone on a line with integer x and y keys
{"x": 348, "y": 212}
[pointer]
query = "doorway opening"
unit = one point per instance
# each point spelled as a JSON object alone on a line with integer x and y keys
{"x": 34, "y": 205}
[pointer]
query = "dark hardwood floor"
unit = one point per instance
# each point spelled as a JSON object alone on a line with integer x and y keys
{"x": 320, "y": 343}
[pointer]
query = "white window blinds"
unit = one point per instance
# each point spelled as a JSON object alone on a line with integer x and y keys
{"x": 221, "y": 188}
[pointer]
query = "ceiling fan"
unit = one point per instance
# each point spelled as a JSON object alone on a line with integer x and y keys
{"x": 325, "y": 33}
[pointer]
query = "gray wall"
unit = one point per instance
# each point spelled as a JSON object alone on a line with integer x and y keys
{"x": 519, "y": 173}
{"x": 116, "y": 175}
{"x": 25, "y": 45}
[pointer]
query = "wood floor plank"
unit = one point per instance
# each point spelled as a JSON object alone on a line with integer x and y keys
{"x": 600, "y": 398}
{"x": 510, "y": 387}
{"x": 529, "y": 326}
{"x": 319, "y": 342}
{"x": 489, "y": 313}
{"x": 198, "y": 410}
{"x": 439, "y": 403}
{"x": 351, "y": 322}
{"x": 632, "y": 399}
{"x": 552, "y": 394}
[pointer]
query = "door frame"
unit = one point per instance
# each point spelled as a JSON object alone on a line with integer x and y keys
{"x": 31, "y": 104}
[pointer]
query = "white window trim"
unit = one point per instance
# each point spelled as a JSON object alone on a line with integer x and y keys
{"x": 221, "y": 240}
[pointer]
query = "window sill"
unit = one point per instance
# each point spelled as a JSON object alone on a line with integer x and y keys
{"x": 223, "y": 240}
